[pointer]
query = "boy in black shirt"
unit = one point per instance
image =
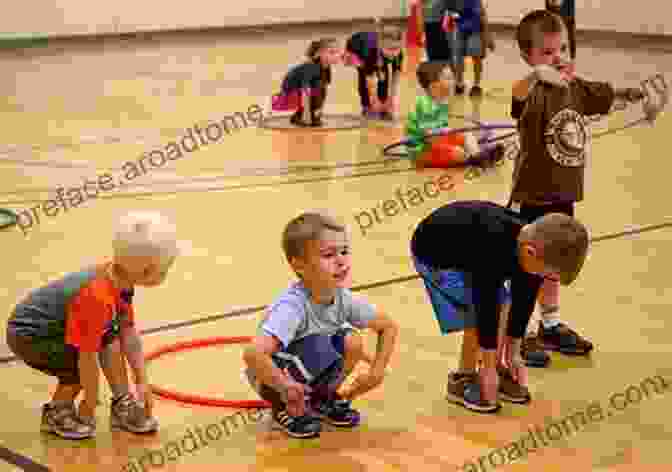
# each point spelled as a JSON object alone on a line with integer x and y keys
{"x": 465, "y": 252}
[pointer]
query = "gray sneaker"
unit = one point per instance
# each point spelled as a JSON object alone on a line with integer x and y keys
{"x": 62, "y": 420}
{"x": 464, "y": 390}
{"x": 127, "y": 414}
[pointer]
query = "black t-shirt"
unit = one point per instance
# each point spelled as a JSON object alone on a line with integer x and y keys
{"x": 480, "y": 239}
{"x": 365, "y": 46}
{"x": 309, "y": 75}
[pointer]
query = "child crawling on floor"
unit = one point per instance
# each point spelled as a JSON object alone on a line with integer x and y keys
{"x": 432, "y": 112}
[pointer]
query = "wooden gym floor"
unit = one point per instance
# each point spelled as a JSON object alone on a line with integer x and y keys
{"x": 80, "y": 109}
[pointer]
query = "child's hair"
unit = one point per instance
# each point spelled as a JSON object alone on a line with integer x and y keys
{"x": 145, "y": 234}
{"x": 563, "y": 242}
{"x": 304, "y": 228}
{"x": 430, "y": 72}
{"x": 316, "y": 46}
{"x": 535, "y": 24}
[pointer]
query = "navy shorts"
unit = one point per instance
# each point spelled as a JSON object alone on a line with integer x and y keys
{"x": 452, "y": 297}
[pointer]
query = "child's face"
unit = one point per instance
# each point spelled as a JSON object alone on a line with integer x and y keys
{"x": 532, "y": 262}
{"x": 147, "y": 271}
{"x": 331, "y": 55}
{"x": 442, "y": 88}
{"x": 552, "y": 49}
{"x": 326, "y": 262}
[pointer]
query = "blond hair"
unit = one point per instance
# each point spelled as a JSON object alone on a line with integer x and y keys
{"x": 304, "y": 228}
{"x": 145, "y": 234}
{"x": 563, "y": 242}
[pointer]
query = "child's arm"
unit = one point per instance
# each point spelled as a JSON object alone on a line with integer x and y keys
{"x": 388, "y": 331}
{"x": 488, "y": 41}
{"x": 258, "y": 359}
{"x": 131, "y": 346}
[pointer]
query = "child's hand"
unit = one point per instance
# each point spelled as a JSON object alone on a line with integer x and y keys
{"x": 549, "y": 75}
{"x": 295, "y": 397}
{"x": 489, "y": 380}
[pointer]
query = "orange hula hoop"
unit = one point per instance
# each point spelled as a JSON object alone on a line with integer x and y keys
{"x": 197, "y": 399}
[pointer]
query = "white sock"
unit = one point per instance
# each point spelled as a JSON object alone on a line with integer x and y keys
{"x": 550, "y": 316}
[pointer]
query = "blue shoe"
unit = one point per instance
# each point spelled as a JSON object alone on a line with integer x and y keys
{"x": 338, "y": 413}
{"x": 302, "y": 427}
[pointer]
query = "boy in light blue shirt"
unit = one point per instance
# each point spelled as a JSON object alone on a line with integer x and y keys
{"x": 305, "y": 346}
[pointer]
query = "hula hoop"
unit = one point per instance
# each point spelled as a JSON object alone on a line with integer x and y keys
{"x": 196, "y": 399}
{"x": 7, "y": 218}
{"x": 388, "y": 150}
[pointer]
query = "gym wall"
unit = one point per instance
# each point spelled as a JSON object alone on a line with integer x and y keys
{"x": 40, "y": 18}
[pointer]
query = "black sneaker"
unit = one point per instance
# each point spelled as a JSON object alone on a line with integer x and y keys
{"x": 386, "y": 116}
{"x": 338, "y": 413}
{"x": 297, "y": 120}
{"x": 459, "y": 89}
{"x": 562, "y": 338}
{"x": 303, "y": 427}
{"x": 476, "y": 91}
{"x": 533, "y": 353}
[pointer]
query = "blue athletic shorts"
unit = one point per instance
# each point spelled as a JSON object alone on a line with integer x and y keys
{"x": 452, "y": 298}
{"x": 465, "y": 45}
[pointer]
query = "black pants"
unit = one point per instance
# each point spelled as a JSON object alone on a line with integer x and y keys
{"x": 525, "y": 287}
{"x": 383, "y": 89}
{"x": 436, "y": 44}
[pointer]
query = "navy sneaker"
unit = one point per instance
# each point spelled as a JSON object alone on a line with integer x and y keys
{"x": 338, "y": 412}
{"x": 563, "y": 339}
{"x": 302, "y": 427}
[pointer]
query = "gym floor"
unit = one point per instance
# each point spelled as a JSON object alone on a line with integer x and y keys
{"x": 80, "y": 109}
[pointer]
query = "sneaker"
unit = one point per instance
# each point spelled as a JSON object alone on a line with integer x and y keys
{"x": 338, "y": 413}
{"x": 476, "y": 91}
{"x": 510, "y": 390}
{"x": 534, "y": 354}
{"x": 297, "y": 120}
{"x": 459, "y": 89}
{"x": 386, "y": 116}
{"x": 463, "y": 389}
{"x": 303, "y": 427}
{"x": 563, "y": 339}
{"x": 127, "y": 414}
{"x": 63, "y": 421}
{"x": 371, "y": 115}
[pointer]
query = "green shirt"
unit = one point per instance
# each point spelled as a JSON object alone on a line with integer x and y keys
{"x": 427, "y": 114}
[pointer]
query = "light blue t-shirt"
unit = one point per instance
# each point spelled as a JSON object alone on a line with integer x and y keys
{"x": 294, "y": 315}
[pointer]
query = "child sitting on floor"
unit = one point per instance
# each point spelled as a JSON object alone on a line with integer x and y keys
{"x": 64, "y": 328}
{"x": 431, "y": 112}
{"x": 304, "y": 345}
{"x": 304, "y": 88}
{"x": 378, "y": 58}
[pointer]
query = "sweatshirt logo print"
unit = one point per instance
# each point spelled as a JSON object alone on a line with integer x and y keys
{"x": 568, "y": 138}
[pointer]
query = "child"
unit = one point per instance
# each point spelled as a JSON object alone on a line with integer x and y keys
{"x": 472, "y": 39}
{"x": 304, "y": 88}
{"x": 566, "y": 9}
{"x": 431, "y": 112}
{"x": 550, "y": 105}
{"x": 303, "y": 345}
{"x": 378, "y": 58}
{"x": 65, "y": 327}
{"x": 465, "y": 252}
{"x": 430, "y": 25}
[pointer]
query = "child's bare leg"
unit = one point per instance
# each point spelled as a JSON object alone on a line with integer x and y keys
{"x": 66, "y": 393}
{"x": 501, "y": 333}
{"x": 478, "y": 70}
{"x": 470, "y": 351}
{"x": 549, "y": 303}
{"x": 114, "y": 367}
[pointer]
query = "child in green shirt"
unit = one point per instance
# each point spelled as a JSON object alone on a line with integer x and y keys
{"x": 431, "y": 112}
